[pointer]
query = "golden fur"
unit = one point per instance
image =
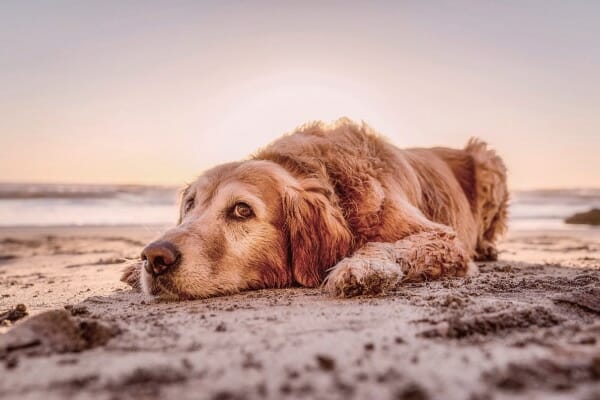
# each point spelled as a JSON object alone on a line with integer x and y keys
{"x": 335, "y": 205}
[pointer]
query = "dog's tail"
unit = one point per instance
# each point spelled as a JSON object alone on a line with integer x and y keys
{"x": 492, "y": 196}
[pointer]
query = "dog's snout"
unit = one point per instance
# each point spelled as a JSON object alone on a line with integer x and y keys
{"x": 160, "y": 256}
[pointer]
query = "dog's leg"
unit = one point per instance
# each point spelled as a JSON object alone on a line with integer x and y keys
{"x": 486, "y": 251}
{"x": 492, "y": 199}
{"x": 486, "y": 245}
{"x": 378, "y": 267}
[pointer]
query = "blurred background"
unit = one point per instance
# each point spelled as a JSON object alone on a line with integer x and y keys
{"x": 106, "y": 107}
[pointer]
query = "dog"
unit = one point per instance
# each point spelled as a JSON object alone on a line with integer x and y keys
{"x": 332, "y": 205}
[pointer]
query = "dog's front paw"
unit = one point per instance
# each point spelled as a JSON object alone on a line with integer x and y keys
{"x": 131, "y": 275}
{"x": 356, "y": 276}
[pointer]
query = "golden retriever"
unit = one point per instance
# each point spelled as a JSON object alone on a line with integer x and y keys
{"x": 333, "y": 205}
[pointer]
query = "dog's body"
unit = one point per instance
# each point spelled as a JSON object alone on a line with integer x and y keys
{"x": 334, "y": 204}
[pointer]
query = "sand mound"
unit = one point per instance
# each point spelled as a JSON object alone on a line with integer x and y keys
{"x": 55, "y": 331}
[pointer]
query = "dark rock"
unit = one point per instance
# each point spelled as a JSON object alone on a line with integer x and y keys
{"x": 412, "y": 391}
{"x": 325, "y": 363}
{"x": 14, "y": 314}
{"x": 221, "y": 327}
{"x": 591, "y": 217}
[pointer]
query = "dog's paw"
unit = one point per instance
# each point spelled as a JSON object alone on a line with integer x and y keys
{"x": 356, "y": 276}
{"x": 486, "y": 252}
{"x": 131, "y": 275}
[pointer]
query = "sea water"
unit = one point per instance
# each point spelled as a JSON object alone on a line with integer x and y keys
{"x": 24, "y": 204}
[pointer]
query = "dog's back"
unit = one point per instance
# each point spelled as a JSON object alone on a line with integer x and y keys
{"x": 461, "y": 188}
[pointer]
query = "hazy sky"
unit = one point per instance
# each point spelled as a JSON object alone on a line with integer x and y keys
{"x": 156, "y": 91}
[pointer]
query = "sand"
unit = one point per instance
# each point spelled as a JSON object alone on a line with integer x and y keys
{"x": 527, "y": 327}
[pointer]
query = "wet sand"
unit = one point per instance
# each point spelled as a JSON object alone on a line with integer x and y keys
{"x": 526, "y": 327}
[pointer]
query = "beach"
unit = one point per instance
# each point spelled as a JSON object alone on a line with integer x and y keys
{"x": 527, "y": 326}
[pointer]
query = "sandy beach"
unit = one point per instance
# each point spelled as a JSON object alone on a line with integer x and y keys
{"x": 528, "y": 326}
{"x": 249, "y": 144}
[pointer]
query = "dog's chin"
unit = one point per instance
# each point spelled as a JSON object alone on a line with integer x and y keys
{"x": 159, "y": 287}
{"x": 162, "y": 288}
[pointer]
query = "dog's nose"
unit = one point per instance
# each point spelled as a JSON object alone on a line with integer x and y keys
{"x": 160, "y": 256}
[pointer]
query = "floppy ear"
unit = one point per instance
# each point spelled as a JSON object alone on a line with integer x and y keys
{"x": 318, "y": 233}
{"x": 182, "y": 194}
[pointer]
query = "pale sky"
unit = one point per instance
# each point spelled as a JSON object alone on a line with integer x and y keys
{"x": 156, "y": 91}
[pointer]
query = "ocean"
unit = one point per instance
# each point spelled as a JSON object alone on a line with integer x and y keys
{"x": 86, "y": 205}
{"x": 99, "y": 205}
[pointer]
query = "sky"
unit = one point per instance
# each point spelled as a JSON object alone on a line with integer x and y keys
{"x": 157, "y": 91}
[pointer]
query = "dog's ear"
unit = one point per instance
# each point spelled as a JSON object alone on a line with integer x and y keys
{"x": 182, "y": 195}
{"x": 318, "y": 234}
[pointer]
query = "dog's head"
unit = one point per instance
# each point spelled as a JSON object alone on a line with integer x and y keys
{"x": 247, "y": 225}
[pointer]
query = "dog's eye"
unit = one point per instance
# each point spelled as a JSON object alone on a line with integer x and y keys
{"x": 189, "y": 204}
{"x": 242, "y": 211}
